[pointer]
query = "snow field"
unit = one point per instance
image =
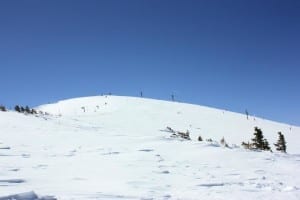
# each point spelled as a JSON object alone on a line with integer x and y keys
{"x": 118, "y": 148}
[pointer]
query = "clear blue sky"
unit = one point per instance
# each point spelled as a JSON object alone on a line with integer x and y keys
{"x": 233, "y": 54}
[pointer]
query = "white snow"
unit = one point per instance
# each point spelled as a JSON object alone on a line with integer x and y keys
{"x": 111, "y": 147}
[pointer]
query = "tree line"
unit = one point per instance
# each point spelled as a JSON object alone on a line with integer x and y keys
{"x": 20, "y": 109}
{"x": 25, "y": 109}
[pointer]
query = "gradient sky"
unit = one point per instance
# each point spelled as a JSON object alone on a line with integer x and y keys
{"x": 233, "y": 54}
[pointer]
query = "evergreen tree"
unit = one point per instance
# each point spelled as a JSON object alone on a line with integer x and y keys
{"x": 2, "y": 108}
{"x": 22, "y": 109}
{"x": 27, "y": 109}
{"x": 200, "y": 138}
{"x": 281, "y": 144}
{"x": 17, "y": 108}
{"x": 258, "y": 142}
{"x": 266, "y": 146}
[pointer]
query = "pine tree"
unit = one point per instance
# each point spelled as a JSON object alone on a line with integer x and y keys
{"x": 27, "y": 109}
{"x": 281, "y": 143}
{"x": 2, "y": 108}
{"x": 258, "y": 142}
{"x": 17, "y": 108}
{"x": 22, "y": 109}
{"x": 200, "y": 138}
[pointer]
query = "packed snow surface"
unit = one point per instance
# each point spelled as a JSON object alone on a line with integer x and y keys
{"x": 111, "y": 147}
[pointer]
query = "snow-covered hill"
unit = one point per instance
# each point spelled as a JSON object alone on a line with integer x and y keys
{"x": 110, "y": 147}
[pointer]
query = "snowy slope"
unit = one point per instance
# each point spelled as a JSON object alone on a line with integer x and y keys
{"x": 111, "y": 147}
{"x": 129, "y": 113}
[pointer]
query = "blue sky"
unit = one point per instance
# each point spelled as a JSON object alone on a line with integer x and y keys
{"x": 233, "y": 54}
